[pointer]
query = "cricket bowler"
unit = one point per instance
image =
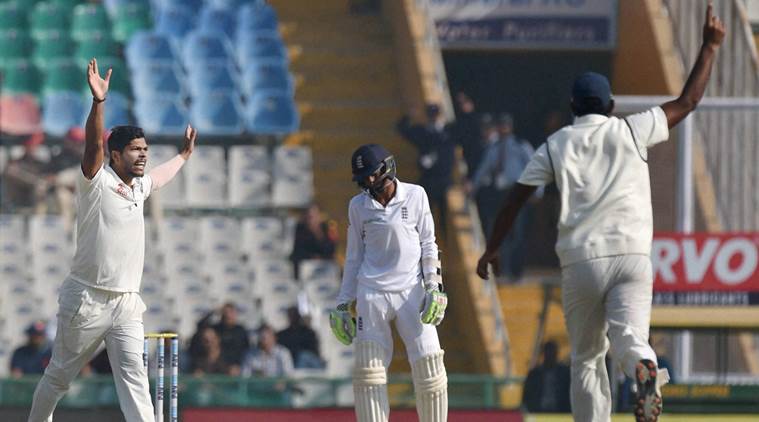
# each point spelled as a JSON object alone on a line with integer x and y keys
{"x": 100, "y": 300}
{"x": 605, "y": 232}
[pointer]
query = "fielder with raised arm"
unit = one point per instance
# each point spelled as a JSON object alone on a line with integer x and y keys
{"x": 392, "y": 273}
{"x": 605, "y": 232}
{"x": 99, "y": 300}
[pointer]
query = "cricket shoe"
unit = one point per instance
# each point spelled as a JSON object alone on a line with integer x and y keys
{"x": 648, "y": 382}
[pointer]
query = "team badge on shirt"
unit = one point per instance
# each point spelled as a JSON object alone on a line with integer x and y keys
{"x": 404, "y": 213}
{"x": 123, "y": 190}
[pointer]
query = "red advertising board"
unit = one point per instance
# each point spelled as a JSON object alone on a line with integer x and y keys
{"x": 724, "y": 262}
{"x": 335, "y": 415}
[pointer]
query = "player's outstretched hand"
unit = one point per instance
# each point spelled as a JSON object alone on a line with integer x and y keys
{"x": 190, "y": 135}
{"x": 488, "y": 258}
{"x": 98, "y": 85}
{"x": 714, "y": 29}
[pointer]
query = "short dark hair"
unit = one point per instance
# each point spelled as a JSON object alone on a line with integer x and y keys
{"x": 589, "y": 105}
{"x": 121, "y": 136}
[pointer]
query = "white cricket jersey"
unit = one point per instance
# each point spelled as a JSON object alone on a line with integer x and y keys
{"x": 110, "y": 234}
{"x": 386, "y": 244}
{"x": 599, "y": 166}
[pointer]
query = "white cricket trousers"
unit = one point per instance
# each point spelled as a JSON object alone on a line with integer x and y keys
{"x": 376, "y": 309}
{"x": 610, "y": 295}
{"x": 86, "y": 317}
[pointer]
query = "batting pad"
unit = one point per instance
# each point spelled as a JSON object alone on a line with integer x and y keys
{"x": 431, "y": 387}
{"x": 370, "y": 383}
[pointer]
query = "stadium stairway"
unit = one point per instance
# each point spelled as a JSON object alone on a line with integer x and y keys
{"x": 346, "y": 90}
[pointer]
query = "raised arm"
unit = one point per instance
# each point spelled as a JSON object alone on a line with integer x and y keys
{"x": 92, "y": 160}
{"x": 506, "y": 216}
{"x": 165, "y": 172}
{"x": 693, "y": 91}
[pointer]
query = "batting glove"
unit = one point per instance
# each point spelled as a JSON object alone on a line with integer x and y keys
{"x": 343, "y": 324}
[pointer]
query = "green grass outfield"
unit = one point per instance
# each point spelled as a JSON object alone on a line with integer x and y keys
{"x": 675, "y": 417}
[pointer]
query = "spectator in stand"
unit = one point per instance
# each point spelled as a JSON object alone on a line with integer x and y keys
{"x": 436, "y": 157}
{"x": 209, "y": 358}
{"x": 466, "y": 133}
{"x": 485, "y": 195}
{"x": 25, "y": 180}
{"x": 301, "y": 340}
{"x": 33, "y": 357}
{"x": 314, "y": 238}
{"x": 546, "y": 388}
{"x": 233, "y": 337}
{"x": 63, "y": 171}
{"x": 501, "y": 167}
{"x": 269, "y": 359}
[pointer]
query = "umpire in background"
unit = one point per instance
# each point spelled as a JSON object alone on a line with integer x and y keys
{"x": 436, "y": 156}
{"x": 600, "y": 167}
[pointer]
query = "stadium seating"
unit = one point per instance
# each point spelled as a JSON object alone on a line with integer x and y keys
{"x": 14, "y": 46}
{"x": 158, "y": 80}
{"x": 220, "y": 239}
{"x": 99, "y": 46}
{"x": 205, "y": 47}
{"x": 62, "y": 110}
{"x": 48, "y": 18}
{"x": 21, "y": 78}
{"x": 90, "y": 20}
{"x": 256, "y": 18}
{"x": 206, "y": 177}
{"x": 161, "y": 116}
{"x": 149, "y": 48}
{"x": 129, "y": 18}
{"x": 52, "y": 47}
{"x": 174, "y": 23}
{"x": 61, "y": 76}
{"x": 217, "y": 114}
{"x": 271, "y": 113}
{"x": 211, "y": 78}
{"x": 118, "y": 111}
{"x": 269, "y": 77}
{"x": 12, "y": 18}
{"x": 260, "y": 48}
{"x": 218, "y": 20}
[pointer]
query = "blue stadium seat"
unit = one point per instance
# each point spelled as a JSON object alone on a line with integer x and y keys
{"x": 205, "y": 78}
{"x": 271, "y": 113}
{"x": 205, "y": 47}
{"x": 217, "y": 114}
{"x": 157, "y": 79}
{"x": 232, "y": 4}
{"x": 167, "y": 4}
{"x": 272, "y": 76}
{"x": 174, "y": 22}
{"x": 61, "y": 111}
{"x": 117, "y": 111}
{"x": 218, "y": 20}
{"x": 161, "y": 116}
{"x": 254, "y": 47}
{"x": 149, "y": 47}
{"x": 257, "y": 17}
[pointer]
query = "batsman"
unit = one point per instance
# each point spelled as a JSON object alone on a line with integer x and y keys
{"x": 392, "y": 273}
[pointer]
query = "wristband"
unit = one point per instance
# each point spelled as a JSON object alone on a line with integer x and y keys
{"x": 97, "y": 100}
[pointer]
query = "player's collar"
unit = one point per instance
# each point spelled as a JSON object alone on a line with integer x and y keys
{"x": 590, "y": 119}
